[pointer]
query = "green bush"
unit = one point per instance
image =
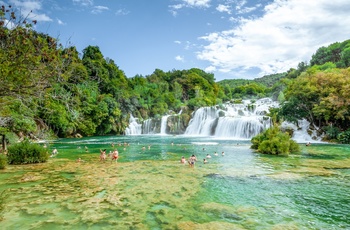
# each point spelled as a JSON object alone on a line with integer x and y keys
{"x": 332, "y": 132}
{"x": 344, "y": 137}
{"x": 273, "y": 141}
{"x": 3, "y": 161}
{"x": 27, "y": 153}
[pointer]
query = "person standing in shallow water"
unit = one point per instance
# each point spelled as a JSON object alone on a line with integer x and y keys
{"x": 192, "y": 160}
{"x": 115, "y": 155}
{"x": 183, "y": 160}
{"x": 103, "y": 155}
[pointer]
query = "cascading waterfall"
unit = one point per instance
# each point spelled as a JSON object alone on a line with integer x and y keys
{"x": 134, "y": 127}
{"x": 242, "y": 127}
{"x": 239, "y": 121}
{"x": 203, "y": 122}
{"x": 302, "y": 132}
{"x": 233, "y": 120}
{"x": 163, "y": 124}
{"x": 148, "y": 127}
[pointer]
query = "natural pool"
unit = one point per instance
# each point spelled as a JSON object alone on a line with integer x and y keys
{"x": 150, "y": 189}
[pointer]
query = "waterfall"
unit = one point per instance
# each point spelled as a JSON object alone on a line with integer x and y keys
{"x": 302, "y": 132}
{"x": 242, "y": 127}
{"x": 244, "y": 120}
{"x": 134, "y": 128}
{"x": 163, "y": 125}
{"x": 203, "y": 122}
{"x": 147, "y": 127}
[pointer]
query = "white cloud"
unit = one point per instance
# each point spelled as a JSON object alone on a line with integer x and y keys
{"x": 180, "y": 58}
{"x": 30, "y": 8}
{"x": 246, "y": 10}
{"x": 84, "y": 2}
{"x": 60, "y": 22}
{"x": 99, "y": 9}
{"x": 210, "y": 69}
{"x": 197, "y": 3}
{"x": 289, "y": 32}
{"x": 223, "y": 8}
{"x": 189, "y": 4}
{"x": 122, "y": 12}
{"x": 240, "y": 4}
{"x": 177, "y": 42}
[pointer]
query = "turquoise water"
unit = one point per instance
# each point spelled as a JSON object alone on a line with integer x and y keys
{"x": 149, "y": 189}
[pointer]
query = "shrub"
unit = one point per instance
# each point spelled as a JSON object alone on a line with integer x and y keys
{"x": 344, "y": 137}
{"x": 273, "y": 141}
{"x": 27, "y": 153}
{"x": 332, "y": 132}
{"x": 3, "y": 161}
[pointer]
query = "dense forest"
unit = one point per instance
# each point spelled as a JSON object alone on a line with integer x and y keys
{"x": 48, "y": 90}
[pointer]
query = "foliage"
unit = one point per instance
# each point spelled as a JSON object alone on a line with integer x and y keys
{"x": 270, "y": 80}
{"x": 337, "y": 53}
{"x": 30, "y": 63}
{"x": 3, "y": 161}
{"x": 344, "y": 137}
{"x": 26, "y": 152}
{"x": 273, "y": 141}
{"x": 332, "y": 132}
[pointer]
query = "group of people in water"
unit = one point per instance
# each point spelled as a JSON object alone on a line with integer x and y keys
{"x": 193, "y": 159}
{"x": 112, "y": 155}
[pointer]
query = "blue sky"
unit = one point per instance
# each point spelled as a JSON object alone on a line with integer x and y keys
{"x": 230, "y": 38}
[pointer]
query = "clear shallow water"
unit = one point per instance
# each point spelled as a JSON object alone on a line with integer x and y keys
{"x": 150, "y": 189}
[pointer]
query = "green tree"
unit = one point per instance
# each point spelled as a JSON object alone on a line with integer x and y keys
{"x": 273, "y": 141}
{"x": 30, "y": 63}
{"x": 321, "y": 96}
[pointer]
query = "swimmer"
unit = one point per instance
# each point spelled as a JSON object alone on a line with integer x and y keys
{"x": 223, "y": 154}
{"x": 205, "y": 161}
{"x": 208, "y": 156}
{"x": 216, "y": 154}
{"x": 183, "y": 160}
